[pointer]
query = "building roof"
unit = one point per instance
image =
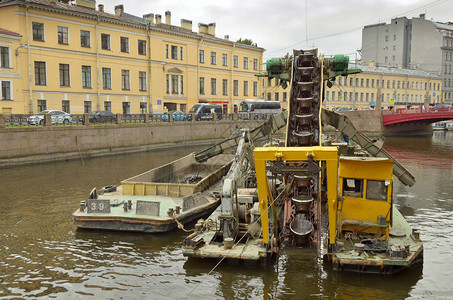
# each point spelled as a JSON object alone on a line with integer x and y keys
{"x": 124, "y": 19}
{"x": 394, "y": 71}
{"x": 7, "y": 32}
{"x": 444, "y": 26}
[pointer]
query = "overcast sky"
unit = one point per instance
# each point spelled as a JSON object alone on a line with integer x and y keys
{"x": 282, "y": 25}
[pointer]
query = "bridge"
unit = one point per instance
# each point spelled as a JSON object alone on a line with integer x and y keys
{"x": 418, "y": 115}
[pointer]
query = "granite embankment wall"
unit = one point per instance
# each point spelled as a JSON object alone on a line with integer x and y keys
{"x": 36, "y": 144}
{"x": 28, "y": 145}
{"x": 366, "y": 121}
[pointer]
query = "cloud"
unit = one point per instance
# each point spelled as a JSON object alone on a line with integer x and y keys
{"x": 277, "y": 25}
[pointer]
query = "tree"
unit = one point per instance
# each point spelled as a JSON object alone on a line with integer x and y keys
{"x": 288, "y": 56}
{"x": 246, "y": 42}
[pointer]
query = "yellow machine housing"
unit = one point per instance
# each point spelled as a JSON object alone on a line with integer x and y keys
{"x": 365, "y": 188}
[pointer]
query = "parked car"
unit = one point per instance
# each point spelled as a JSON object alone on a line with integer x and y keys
{"x": 103, "y": 116}
{"x": 56, "y": 117}
{"x": 341, "y": 108}
{"x": 177, "y": 116}
{"x": 440, "y": 107}
{"x": 205, "y": 112}
{"x": 364, "y": 108}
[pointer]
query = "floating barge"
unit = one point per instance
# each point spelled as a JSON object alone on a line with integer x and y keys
{"x": 157, "y": 200}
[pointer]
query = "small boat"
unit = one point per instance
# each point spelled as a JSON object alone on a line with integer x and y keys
{"x": 158, "y": 200}
{"x": 449, "y": 126}
{"x": 442, "y": 125}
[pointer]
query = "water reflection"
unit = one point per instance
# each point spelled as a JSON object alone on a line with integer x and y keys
{"x": 41, "y": 253}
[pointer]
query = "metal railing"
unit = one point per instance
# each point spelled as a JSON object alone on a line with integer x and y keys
{"x": 19, "y": 120}
{"x": 418, "y": 110}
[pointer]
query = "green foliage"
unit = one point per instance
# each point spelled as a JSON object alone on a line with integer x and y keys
{"x": 288, "y": 56}
{"x": 246, "y": 42}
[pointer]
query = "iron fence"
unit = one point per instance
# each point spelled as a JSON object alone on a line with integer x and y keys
{"x": 79, "y": 119}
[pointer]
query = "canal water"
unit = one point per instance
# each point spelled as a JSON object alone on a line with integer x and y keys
{"x": 43, "y": 255}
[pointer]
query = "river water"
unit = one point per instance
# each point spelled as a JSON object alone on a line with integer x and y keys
{"x": 43, "y": 255}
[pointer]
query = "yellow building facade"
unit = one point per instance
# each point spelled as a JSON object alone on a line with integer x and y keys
{"x": 76, "y": 58}
{"x": 395, "y": 87}
{"x": 10, "y": 75}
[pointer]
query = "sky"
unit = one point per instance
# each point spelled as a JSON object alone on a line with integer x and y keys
{"x": 279, "y": 26}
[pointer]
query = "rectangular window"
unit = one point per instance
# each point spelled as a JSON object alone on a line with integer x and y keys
{"x": 367, "y": 83}
{"x": 276, "y": 96}
{"x": 236, "y": 87}
{"x": 224, "y": 59}
{"x": 174, "y": 52}
{"x": 6, "y": 90}
{"x": 124, "y": 41}
{"x": 85, "y": 38}
{"x": 142, "y": 81}
{"x": 87, "y": 107}
{"x": 181, "y": 86}
{"x": 376, "y": 190}
{"x": 42, "y": 105}
{"x": 40, "y": 73}
{"x": 353, "y": 187}
{"x": 246, "y": 63}
{"x": 269, "y": 96}
{"x": 180, "y": 53}
{"x": 201, "y": 56}
{"x": 143, "y": 108}
{"x": 105, "y": 41}
{"x": 126, "y": 108}
{"x": 107, "y": 105}
{"x": 235, "y": 61}
{"x": 65, "y": 106}
{"x": 201, "y": 85}
{"x": 255, "y": 89}
{"x": 86, "y": 76}
{"x": 64, "y": 75}
{"x": 213, "y": 86}
{"x": 333, "y": 96}
{"x": 285, "y": 97}
{"x": 38, "y": 31}
{"x": 174, "y": 84}
{"x": 213, "y": 58}
{"x": 361, "y": 82}
{"x": 125, "y": 80}
{"x": 255, "y": 64}
{"x": 4, "y": 57}
{"x": 107, "y": 78}
{"x": 225, "y": 87}
{"x": 246, "y": 88}
{"x": 62, "y": 35}
{"x": 141, "y": 47}
{"x": 166, "y": 51}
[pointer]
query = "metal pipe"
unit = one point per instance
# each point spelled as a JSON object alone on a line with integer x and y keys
{"x": 29, "y": 58}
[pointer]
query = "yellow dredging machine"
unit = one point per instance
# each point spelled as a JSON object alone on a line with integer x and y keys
{"x": 275, "y": 194}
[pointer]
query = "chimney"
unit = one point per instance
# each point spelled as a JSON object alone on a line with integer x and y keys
{"x": 422, "y": 16}
{"x": 371, "y": 64}
{"x": 227, "y": 37}
{"x": 186, "y": 24}
{"x": 149, "y": 17}
{"x": 202, "y": 28}
{"x": 101, "y": 7}
{"x": 158, "y": 19}
{"x": 211, "y": 29}
{"x": 91, "y": 4}
{"x": 119, "y": 9}
{"x": 168, "y": 17}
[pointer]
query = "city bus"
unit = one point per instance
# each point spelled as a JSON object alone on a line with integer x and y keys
{"x": 258, "y": 108}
